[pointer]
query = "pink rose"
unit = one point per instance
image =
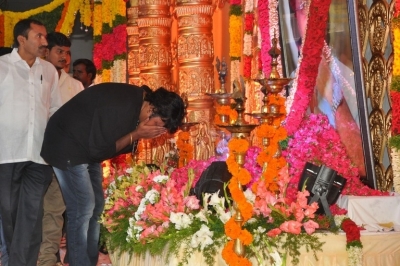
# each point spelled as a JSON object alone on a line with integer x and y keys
{"x": 293, "y": 227}
{"x": 274, "y": 232}
{"x": 310, "y": 226}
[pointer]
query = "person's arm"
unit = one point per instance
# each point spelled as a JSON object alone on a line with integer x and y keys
{"x": 143, "y": 131}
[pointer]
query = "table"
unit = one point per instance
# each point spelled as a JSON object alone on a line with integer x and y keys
{"x": 380, "y": 249}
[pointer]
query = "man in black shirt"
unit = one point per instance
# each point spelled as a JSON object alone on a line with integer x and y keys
{"x": 99, "y": 123}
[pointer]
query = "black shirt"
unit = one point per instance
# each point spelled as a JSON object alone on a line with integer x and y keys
{"x": 86, "y": 128}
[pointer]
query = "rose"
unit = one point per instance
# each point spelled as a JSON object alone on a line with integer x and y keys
{"x": 351, "y": 229}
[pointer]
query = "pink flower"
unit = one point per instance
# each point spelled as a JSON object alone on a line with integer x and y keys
{"x": 192, "y": 203}
{"x": 310, "y": 226}
{"x": 274, "y": 232}
{"x": 293, "y": 227}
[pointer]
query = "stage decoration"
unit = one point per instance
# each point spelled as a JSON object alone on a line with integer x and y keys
{"x": 235, "y": 35}
{"x": 317, "y": 142}
{"x": 394, "y": 140}
{"x": 274, "y": 28}
{"x": 9, "y": 18}
{"x": 109, "y": 51}
{"x": 353, "y": 239}
{"x": 272, "y": 112}
{"x": 308, "y": 68}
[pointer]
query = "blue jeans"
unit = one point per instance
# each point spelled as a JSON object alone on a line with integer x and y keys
{"x": 3, "y": 247}
{"x": 84, "y": 200}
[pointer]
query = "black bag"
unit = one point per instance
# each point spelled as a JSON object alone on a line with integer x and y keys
{"x": 212, "y": 180}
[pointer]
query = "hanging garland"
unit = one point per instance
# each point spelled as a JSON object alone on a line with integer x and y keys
{"x": 235, "y": 33}
{"x": 232, "y": 228}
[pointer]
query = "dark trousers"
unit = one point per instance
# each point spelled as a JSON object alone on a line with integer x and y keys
{"x": 21, "y": 206}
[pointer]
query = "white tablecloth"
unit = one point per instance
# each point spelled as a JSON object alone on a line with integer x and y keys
{"x": 380, "y": 249}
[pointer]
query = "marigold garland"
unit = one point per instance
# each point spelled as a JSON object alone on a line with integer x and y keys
{"x": 239, "y": 176}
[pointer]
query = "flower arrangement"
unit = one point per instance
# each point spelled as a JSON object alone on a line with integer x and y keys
{"x": 224, "y": 110}
{"x": 148, "y": 210}
{"x": 248, "y": 38}
{"x": 235, "y": 33}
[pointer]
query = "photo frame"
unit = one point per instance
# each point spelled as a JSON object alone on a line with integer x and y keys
{"x": 340, "y": 93}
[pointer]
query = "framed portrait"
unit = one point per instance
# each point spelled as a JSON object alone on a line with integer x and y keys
{"x": 339, "y": 91}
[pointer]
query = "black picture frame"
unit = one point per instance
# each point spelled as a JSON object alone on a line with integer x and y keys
{"x": 289, "y": 39}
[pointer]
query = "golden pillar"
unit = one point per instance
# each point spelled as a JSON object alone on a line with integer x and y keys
{"x": 195, "y": 56}
{"x": 155, "y": 59}
{"x": 133, "y": 43}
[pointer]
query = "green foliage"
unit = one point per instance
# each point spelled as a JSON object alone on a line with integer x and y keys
{"x": 394, "y": 142}
{"x": 236, "y": 10}
{"x": 395, "y": 85}
{"x": 50, "y": 19}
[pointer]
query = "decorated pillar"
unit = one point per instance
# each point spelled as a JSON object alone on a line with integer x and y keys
{"x": 195, "y": 56}
{"x": 133, "y": 43}
{"x": 154, "y": 28}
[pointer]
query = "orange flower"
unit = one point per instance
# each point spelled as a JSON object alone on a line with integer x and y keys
{"x": 246, "y": 237}
{"x": 238, "y": 145}
{"x": 232, "y": 229}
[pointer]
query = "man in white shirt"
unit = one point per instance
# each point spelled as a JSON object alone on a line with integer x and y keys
{"x": 58, "y": 50}
{"x": 29, "y": 95}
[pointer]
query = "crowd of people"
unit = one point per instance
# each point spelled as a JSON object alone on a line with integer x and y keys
{"x": 55, "y": 132}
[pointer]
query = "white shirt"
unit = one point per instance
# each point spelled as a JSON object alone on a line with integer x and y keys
{"x": 28, "y": 97}
{"x": 69, "y": 86}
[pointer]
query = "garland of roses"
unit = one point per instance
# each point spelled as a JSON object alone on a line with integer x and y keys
{"x": 308, "y": 68}
{"x": 263, "y": 14}
{"x": 232, "y": 229}
{"x": 185, "y": 148}
{"x": 353, "y": 239}
{"x": 248, "y": 38}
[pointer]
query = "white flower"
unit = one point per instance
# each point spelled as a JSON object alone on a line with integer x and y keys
{"x": 160, "y": 178}
{"x": 202, "y": 238}
{"x": 276, "y": 257}
{"x": 202, "y": 215}
{"x": 181, "y": 220}
{"x": 215, "y": 199}
{"x": 224, "y": 217}
{"x": 129, "y": 170}
{"x": 139, "y": 189}
{"x": 250, "y": 196}
{"x": 152, "y": 196}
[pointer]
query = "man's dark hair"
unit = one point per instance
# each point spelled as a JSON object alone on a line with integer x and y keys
{"x": 57, "y": 39}
{"x": 90, "y": 67}
{"x": 5, "y": 50}
{"x": 168, "y": 106}
{"x": 23, "y": 27}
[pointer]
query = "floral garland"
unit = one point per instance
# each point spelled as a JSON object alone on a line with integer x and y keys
{"x": 10, "y": 18}
{"x": 185, "y": 148}
{"x": 109, "y": 30}
{"x": 394, "y": 140}
{"x": 308, "y": 68}
{"x": 353, "y": 239}
{"x": 232, "y": 229}
{"x": 263, "y": 14}
{"x": 248, "y": 38}
{"x": 224, "y": 110}
{"x": 235, "y": 33}
{"x": 268, "y": 159}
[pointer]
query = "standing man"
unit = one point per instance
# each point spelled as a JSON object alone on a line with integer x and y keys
{"x": 84, "y": 70}
{"x": 99, "y": 123}
{"x": 29, "y": 96}
{"x": 53, "y": 205}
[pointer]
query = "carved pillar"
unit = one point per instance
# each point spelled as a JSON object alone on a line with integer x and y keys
{"x": 195, "y": 54}
{"x": 374, "y": 17}
{"x": 155, "y": 59}
{"x": 195, "y": 47}
{"x": 133, "y": 43}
